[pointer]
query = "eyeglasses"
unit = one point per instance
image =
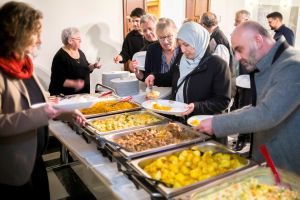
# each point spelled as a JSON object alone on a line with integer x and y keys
{"x": 78, "y": 39}
{"x": 168, "y": 38}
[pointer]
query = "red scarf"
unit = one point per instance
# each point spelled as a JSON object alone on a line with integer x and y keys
{"x": 20, "y": 69}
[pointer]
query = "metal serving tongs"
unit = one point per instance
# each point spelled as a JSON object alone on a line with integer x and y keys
{"x": 271, "y": 164}
{"x": 106, "y": 93}
{"x": 114, "y": 144}
{"x": 152, "y": 180}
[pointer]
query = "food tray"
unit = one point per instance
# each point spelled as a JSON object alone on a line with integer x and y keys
{"x": 93, "y": 130}
{"x": 168, "y": 192}
{"x": 263, "y": 175}
{"x": 144, "y": 135}
{"x": 106, "y": 103}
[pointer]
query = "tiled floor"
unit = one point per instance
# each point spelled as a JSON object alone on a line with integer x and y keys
{"x": 74, "y": 181}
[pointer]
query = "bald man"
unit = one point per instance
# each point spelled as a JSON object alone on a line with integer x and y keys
{"x": 275, "y": 120}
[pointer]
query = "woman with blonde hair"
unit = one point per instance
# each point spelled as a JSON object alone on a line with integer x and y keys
{"x": 161, "y": 55}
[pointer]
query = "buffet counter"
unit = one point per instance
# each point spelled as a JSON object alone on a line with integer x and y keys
{"x": 101, "y": 166}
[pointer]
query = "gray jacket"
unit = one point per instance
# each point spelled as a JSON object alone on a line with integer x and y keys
{"x": 18, "y": 135}
{"x": 275, "y": 120}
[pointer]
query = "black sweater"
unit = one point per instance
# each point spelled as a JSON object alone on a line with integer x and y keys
{"x": 208, "y": 87}
{"x": 65, "y": 67}
{"x": 132, "y": 43}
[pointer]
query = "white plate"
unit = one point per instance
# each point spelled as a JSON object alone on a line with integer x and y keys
{"x": 140, "y": 57}
{"x": 198, "y": 118}
{"x": 68, "y": 104}
{"x": 176, "y": 107}
{"x": 243, "y": 81}
{"x": 79, "y": 102}
{"x": 38, "y": 105}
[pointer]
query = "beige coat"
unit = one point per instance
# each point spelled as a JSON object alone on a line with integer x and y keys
{"x": 18, "y": 124}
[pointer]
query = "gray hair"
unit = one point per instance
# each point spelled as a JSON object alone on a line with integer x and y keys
{"x": 164, "y": 23}
{"x": 68, "y": 33}
{"x": 255, "y": 26}
{"x": 148, "y": 17}
{"x": 245, "y": 13}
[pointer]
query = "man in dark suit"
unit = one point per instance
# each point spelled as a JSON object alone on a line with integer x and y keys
{"x": 275, "y": 22}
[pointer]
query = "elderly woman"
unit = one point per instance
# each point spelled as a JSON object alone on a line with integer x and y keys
{"x": 23, "y": 130}
{"x": 70, "y": 71}
{"x": 198, "y": 79}
{"x": 161, "y": 55}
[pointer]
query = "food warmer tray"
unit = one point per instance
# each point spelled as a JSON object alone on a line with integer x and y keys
{"x": 118, "y": 150}
{"x": 93, "y": 131}
{"x": 169, "y": 193}
{"x": 262, "y": 174}
{"x": 114, "y": 97}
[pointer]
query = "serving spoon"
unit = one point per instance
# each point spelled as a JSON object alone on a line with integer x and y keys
{"x": 274, "y": 170}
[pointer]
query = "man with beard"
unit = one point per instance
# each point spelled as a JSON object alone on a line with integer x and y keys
{"x": 275, "y": 23}
{"x": 275, "y": 115}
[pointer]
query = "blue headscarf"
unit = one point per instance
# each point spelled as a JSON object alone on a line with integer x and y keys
{"x": 198, "y": 38}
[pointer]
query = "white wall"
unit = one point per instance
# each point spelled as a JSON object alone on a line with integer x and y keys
{"x": 100, "y": 23}
{"x": 177, "y": 13}
{"x": 227, "y": 13}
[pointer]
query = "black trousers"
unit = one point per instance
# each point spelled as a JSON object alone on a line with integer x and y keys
{"x": 36, "y": 188}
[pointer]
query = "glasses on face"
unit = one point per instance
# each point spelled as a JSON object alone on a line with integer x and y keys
{"x": 168, "y": 38}
{"x": 78, "y": 39}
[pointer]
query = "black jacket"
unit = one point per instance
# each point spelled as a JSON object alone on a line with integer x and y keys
{"x": 208, "y": 86}
{"x": 132, "y": 43}
{"x": 218, "y": 37}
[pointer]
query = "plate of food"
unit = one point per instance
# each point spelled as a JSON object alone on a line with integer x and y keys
{"x": 196, "y": 119}
{"x": 153, "y": 94}
{"x": 165, "y": 106}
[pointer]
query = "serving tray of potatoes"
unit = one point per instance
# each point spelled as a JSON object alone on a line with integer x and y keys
{"x": 190, "y": 167}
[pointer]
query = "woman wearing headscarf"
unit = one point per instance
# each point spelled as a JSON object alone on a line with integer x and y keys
{"x": 199, "y": 79}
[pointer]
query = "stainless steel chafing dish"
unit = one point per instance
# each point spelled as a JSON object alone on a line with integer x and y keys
{"x": 93, "y": 130}
{"x": 185, "y": 134}
{"x": 261, "y": 174}
{"x": 137, "y": 166}
{"x": 106, "y": 100}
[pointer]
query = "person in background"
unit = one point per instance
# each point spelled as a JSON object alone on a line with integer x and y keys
{"x": 243, "y": 95}
{"x": 275, "y": 115}
{"x": 241, "y": 16}
{"x": 199, "y": 78}
{"x": 148, "y": 26}
{"x": 275, "y": 23}
{"x": 134, "y": 40}
{"x": 161, "y": 56}
{"x": 70, "y": 70}
{"x": 23, "y": 130}
{"x": 219, "y": 44}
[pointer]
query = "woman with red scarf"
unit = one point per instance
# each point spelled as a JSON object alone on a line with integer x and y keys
{"x": 23, "y": 130}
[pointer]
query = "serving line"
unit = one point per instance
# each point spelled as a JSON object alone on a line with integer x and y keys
{"x": 93, "y": 159}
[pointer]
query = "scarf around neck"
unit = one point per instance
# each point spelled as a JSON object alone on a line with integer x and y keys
{"x": 198, "y": 38}
{"x": 20, "y": 69}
